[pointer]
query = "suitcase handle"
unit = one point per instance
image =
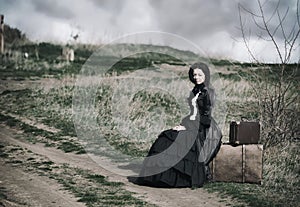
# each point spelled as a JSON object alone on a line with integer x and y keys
{"x": 243, "y": 118}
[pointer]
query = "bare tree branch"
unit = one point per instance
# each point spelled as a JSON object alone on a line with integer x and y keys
{"x": 292, "y": 34}
{"x": 292, "y": 45}
{"x": 274, "y": 85}
{"x": 274, "y": 12}
{"x": 297, "y": 13}
{"x": 260, "y": 36}
{"x": 244, "y": 36}
{"x": 268, "y": 31}
{"x": 257, "y": 24}
{"x": 248, "y": 11}
{"x": 286, "y": 42}
{"x": 281, "y": 20}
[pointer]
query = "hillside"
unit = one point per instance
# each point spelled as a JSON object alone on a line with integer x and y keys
{"x": 42, "y": 97}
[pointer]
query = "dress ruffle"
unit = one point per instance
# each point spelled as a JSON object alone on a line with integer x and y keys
{"x": 180, "y": 158}
{"x": 188, "y": 172}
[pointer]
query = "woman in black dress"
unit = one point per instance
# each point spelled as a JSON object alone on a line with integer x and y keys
{"x": 179, "y": 157}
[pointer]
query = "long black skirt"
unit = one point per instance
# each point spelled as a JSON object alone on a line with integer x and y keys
{"x": 187, "y": 172}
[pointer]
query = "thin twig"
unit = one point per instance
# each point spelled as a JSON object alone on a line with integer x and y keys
{"x": 274, "y": 12}
{"x": 268, "y": 31}
{"x": 244, "y": 36}
{"x": 286, "y": 41}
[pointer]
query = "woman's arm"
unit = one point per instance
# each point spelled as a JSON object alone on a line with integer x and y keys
{"x": 205, "y": 109}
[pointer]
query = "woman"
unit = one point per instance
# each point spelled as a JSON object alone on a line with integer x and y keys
{"x": 180, "y": 156}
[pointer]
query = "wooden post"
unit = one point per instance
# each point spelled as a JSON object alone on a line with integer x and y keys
{"x": 1, "y": 34}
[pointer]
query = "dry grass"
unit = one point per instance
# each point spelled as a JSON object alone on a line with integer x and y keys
{"x": 131, "y": 109}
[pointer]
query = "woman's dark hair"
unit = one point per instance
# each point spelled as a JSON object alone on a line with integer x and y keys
{"x": 205, "y": 70}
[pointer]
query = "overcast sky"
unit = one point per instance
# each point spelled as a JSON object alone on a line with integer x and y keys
{"x": 212, "y": 25}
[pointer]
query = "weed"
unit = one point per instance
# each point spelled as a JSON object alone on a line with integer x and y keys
{"x": 101, "y": 179}
{"x": 70, "y": 147}
{"x": 3, "y": 193}
{"x": 53, "y": 108}
{"x": 3, "y": 154}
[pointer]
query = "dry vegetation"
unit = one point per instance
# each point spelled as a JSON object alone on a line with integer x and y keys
{"x": 37, "y": 97}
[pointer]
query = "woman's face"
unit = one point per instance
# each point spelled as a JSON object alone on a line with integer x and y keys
{"x": 199, "y": 76}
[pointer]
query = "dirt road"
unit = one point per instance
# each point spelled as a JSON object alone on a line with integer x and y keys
{"x": 24, "y": 189}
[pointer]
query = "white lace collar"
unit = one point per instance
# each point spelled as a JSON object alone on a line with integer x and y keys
{"x": 194, "y": 104}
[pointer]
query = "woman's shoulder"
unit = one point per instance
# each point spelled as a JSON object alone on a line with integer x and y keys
{"x": 205, "y": 94}
{"x": 209, "y": 91}
{"x": 205, "y": 91}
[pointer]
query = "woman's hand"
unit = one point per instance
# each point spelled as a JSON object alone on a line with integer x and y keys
{"x": 179, "y": 128}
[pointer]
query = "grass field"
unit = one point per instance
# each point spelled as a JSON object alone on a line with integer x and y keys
{"x": 39, "y": 101}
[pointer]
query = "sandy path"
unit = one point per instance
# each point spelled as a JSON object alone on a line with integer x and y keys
{"x": 160, "y": 197}
{"x": 25, "y": 189}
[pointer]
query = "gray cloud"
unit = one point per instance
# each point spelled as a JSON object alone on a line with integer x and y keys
{"x": 211, "y": 25}
{"x": 271, "y": 17}
{"x": 115, "y": 6}
{"x": 199, "y": 18}
{"x": 7, "y": 5}
{"x": 53, "y": 8}
{"x": 194, "y": 18}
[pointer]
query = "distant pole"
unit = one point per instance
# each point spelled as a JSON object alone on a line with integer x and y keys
{"x": 1, "y": 34}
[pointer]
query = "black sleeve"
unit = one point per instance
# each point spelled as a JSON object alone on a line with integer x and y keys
{"x": 205, "y": 110}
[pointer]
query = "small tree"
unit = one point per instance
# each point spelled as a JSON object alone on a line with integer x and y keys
{"x": 275, "y": 86}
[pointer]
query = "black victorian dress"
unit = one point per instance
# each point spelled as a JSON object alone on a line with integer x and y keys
{"x": 180, "y": 158}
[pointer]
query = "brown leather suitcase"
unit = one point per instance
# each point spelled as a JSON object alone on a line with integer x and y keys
{"x": 244, "y": 132}
{"x": 242, "y": 164}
